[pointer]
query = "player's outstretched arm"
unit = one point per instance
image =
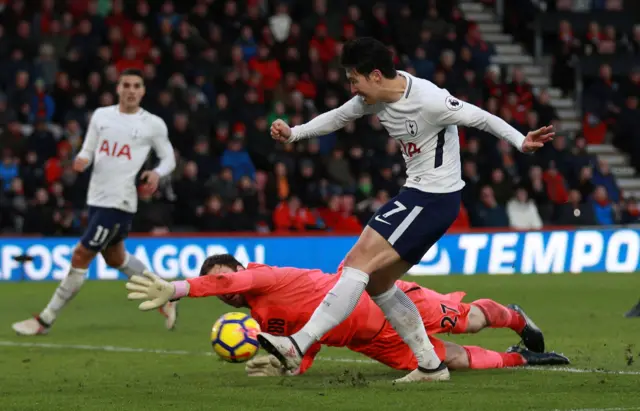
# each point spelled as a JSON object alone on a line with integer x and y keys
{"x": 89, "y": 146}
{"x": 451, "y": 111}
{"x": 156, "y": 291}
{"x": 323, "y": 124}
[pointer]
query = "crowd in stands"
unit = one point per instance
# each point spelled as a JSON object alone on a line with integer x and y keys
{"x": 605, "y": 51}
{"x": 219, "y": 72}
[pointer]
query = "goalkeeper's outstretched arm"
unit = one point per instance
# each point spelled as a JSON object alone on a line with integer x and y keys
{"x": 156, "y": 292}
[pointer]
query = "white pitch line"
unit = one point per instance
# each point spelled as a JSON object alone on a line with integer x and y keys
{"x": 600, "y": 409}
{"x": 112, "y": 348}
{"x": 109, "y": 348}
{"x": 581, "y": 371}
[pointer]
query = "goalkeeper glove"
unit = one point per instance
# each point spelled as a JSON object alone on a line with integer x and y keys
{"x": 148, "y": 286}
{"x": 266, "y": 366}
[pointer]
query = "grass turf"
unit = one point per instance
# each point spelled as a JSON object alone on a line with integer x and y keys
{"x": 70, "y": 369}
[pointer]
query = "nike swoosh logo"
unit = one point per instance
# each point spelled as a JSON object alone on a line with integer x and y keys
{"x": 378, "y": 218}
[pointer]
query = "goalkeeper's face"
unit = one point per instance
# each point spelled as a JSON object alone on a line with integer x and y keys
{"x": 234, "y": 300}
{"x": 130, "y": 91}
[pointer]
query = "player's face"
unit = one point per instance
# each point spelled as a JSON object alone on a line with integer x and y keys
{"x": 130, "y": 90}
{"x": 365, "y": 86}
{"x": 234, "y": 300}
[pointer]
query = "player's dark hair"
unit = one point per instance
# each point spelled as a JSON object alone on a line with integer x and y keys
{"x": 132, "y": 72}
{"x": 366, "y": 54}
{"x": 226, "y": 260}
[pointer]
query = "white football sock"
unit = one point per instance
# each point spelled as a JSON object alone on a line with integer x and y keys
{"x": 132, "y": 266}
{"x": 65, "y": 292}
{"x": 404, "y": 317}
{"x": 337, "y": 305}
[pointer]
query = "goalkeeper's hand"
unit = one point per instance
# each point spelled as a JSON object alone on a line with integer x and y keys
{"x": 266, "y": 366}
{"x": 148, "y": 286}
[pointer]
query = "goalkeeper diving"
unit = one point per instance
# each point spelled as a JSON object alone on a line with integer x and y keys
{"x": 282, "y": 299}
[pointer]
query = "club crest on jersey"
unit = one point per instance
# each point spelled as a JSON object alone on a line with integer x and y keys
{"x": 135, "y": 134}
{"x": 412, "y": 127}
{"x": 453, "y": 103}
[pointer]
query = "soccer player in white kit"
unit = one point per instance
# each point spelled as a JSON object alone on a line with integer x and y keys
{"x": 423, "y": 118}
{"x": 117, "y": 142}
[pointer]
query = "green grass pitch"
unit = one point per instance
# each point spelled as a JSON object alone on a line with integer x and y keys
{"x": 103, "y": 354}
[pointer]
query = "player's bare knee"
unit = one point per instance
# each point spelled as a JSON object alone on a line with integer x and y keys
{"x": 456, "y": 356}
{"x": 82, "y": 257}
{"x": 458, "y": 362}
{"x": 477, "y": 320}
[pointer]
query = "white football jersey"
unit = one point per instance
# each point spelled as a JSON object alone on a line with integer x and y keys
{"x": 424, "y": 122}
{"x": 118, "y": 144}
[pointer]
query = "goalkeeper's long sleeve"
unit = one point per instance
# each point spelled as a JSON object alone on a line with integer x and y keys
{"x": 256, "y": 279}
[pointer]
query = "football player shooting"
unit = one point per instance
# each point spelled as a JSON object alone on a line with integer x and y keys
{"x": 117, "y": 142}
{"x": 282, "y": 299}
{"x": 423, "y": 118}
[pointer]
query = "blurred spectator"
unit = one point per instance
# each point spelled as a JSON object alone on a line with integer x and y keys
{"x": 603, "y": 177}
{"x": 278, "y": 188}
{"x": 337, "y": 215}
{"x": 502, "y": 187}
{"x": 238, "y": 219}
{"x": 268, "y": 67}
{"x": 555, "y": 184}
{"x": 575, "y": 212}
{"x": 546, "y": 112}
{"x": 489, "y": 213}
{"x": 39, "y": 216}
{"x": 339, "y": 171}
{"x": 190, "y": 193}
{"x": 522, "y": 212}
{"x": 472, "y": 183}
{"x": 521, "y": 88}
{"x": 247, "y": 191}
{"x": 537, "y": 191}
{"x": 630, "y": 212}
{"x": 8, "y": 171}
{"x": 627, "y": 129}
{"x": 290, "y": 215}
{"x": 584, "y": 183}
{"x": 564, "y": 60}
{"x": 580, "y": 157}
{"x": 223, "y": 184}
{"x": 602, "y": 207}
{"x": 280, "y": 22}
